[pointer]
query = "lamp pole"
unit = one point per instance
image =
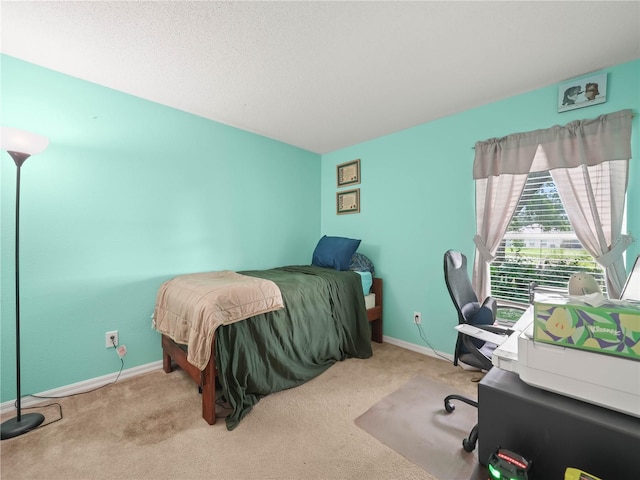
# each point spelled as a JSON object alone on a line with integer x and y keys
{"x": 10, "y": 137}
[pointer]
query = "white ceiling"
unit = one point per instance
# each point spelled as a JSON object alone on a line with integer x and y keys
{"x": 322, "y": 75}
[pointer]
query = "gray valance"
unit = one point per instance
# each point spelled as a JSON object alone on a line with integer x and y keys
{"x": 582, "y": 142}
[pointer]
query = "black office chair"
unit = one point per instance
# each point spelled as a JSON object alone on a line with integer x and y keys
{"x": 469, "y": 350}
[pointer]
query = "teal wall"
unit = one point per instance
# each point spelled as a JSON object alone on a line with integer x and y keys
{"x": 418, "y": 197}
{"x": 128, "y": 194}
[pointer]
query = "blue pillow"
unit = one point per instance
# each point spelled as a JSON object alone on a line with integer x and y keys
{"x": 334, "y": 252}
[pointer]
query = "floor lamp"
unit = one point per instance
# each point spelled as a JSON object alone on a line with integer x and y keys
{"x": 20, "y": 145}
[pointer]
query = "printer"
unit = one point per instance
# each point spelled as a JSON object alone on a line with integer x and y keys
{"x": 583, "y": 348}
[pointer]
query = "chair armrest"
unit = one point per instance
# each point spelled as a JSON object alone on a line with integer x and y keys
{"x": 486, "y": 333}
{"x": 499, "y": 329}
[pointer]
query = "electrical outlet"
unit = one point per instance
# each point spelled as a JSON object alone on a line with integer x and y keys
{"x": 111, "y": 338}
{"x": 417, "y": 318}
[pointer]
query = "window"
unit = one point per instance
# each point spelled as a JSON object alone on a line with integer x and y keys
{"x": 539, "y": 245}
{"x": 589, "y": 165}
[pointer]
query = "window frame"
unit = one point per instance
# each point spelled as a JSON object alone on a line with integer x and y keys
{"x": 539, "y": 202}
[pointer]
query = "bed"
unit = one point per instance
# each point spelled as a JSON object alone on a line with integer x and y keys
{"x": 320, "y": 319}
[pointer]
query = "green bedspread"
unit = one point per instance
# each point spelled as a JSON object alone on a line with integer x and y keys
{"x": 324, "y": 321}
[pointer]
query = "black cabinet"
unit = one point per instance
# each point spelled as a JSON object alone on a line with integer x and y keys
{"x": 555, "y": 431}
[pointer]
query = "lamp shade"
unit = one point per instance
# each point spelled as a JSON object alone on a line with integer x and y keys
{"x": 14, "y": 140}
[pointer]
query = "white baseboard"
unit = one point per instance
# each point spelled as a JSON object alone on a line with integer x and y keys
{"x": 93, "y": 383}
{"x": 80, "y": 387}
{"x": 417, "y": 348}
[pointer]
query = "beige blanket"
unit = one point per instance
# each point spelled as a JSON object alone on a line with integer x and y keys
{"x": 189, "y": 308}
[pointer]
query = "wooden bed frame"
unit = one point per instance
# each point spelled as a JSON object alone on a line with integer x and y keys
{"x": 206, "y": 379}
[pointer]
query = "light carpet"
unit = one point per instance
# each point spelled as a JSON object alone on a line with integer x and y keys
{"x": 150, "y": 427}
{"x": 413, "y": 422}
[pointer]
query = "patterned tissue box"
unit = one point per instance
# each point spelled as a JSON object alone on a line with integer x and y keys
{"x": 612, "y": 328}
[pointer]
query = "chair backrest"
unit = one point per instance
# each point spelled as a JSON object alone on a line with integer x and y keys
{"x": 466, "y": 302}
{"x": 458, "y": 282}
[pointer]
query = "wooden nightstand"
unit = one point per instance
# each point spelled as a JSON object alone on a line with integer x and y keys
{"x": 375, "y": 314}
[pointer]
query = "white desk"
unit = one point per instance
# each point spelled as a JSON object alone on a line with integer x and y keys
{"x": 505, "y": 356}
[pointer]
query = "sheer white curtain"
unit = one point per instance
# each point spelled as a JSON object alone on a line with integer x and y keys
{"x": 575, "y": 153}
{"x": 496, "y": 201}
{"x": 593, "y": 198}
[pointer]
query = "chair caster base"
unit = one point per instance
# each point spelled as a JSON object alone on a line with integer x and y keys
{"x": 449, "y": 407}
{"x": 469, "y": 443}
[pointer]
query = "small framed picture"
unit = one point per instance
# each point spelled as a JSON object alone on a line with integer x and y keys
{"x": 348, "y": 173}
{"x": 348, "y": 201}
{"x": 582, "y": 92}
